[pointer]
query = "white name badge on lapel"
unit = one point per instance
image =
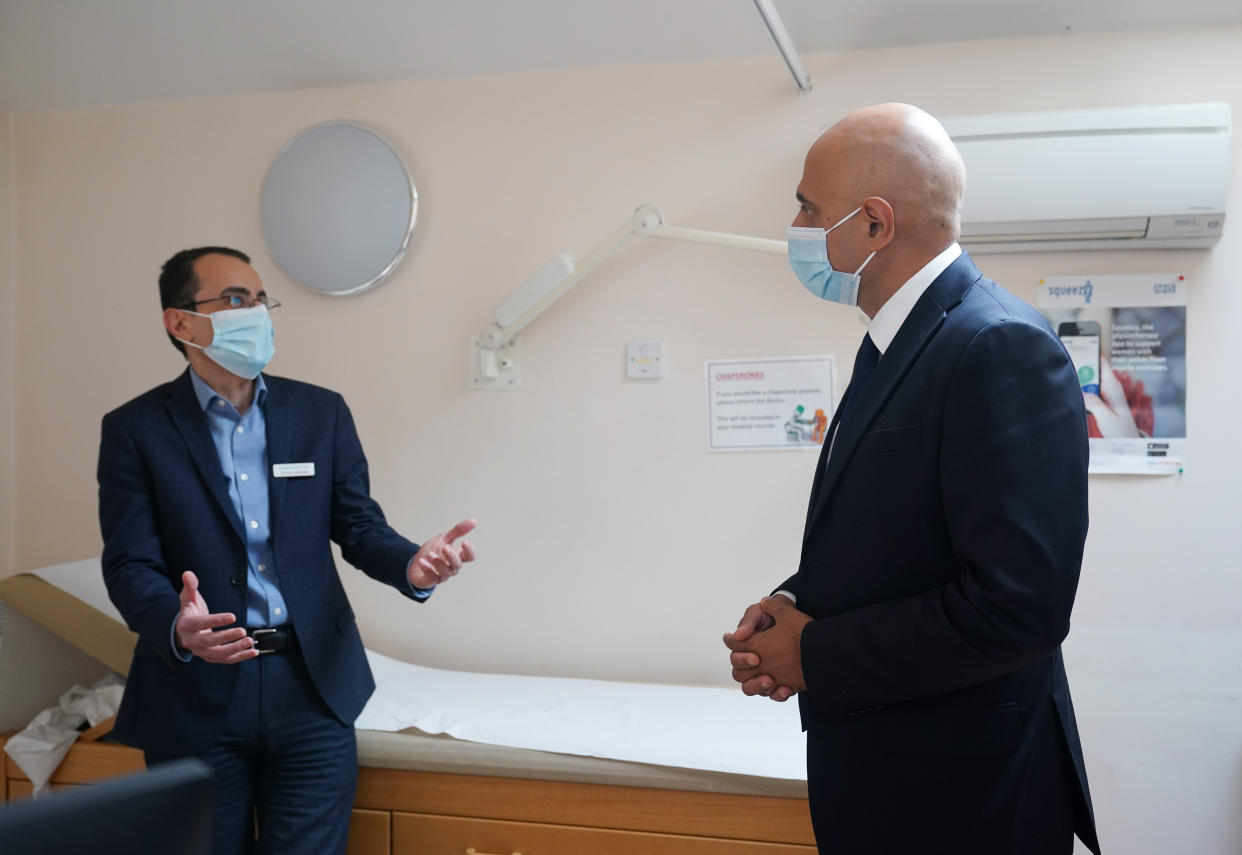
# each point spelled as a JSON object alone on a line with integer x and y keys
{"x": 293, "y": 470}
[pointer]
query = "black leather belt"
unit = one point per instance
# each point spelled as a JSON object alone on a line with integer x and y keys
{"x": 272, "y": 639}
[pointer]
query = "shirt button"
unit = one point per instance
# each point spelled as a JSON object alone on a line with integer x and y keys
{"x": 241, "y": 429}
{"x": 245, "y": 477}
{"x": 219, "y": 402}
{"x": 262, "y": 567}
{"x": 278, "y": 611}
{"x": 254, "y": 523}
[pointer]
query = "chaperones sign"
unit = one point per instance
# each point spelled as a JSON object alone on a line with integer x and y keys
{"x": 777, "y": 404}
{"x": 726, "y": 376}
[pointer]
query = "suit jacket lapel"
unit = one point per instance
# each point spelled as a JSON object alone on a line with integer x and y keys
{"x": 925, "y": 319}
{"x": 187, "y": 416}
{"x": 279, "y": 423}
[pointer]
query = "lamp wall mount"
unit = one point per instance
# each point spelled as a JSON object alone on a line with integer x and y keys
{"x": 494, "y": 368}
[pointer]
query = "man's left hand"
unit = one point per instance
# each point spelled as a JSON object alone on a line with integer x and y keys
{"x": 778, "y": 648}
{"x": 440, "y": 558}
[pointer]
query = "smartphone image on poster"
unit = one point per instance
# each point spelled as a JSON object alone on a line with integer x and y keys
{"x": 1082, "y": 340}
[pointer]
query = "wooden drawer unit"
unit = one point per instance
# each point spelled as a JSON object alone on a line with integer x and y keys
{"x": 427, "y": 834}
{"x": 438, "y": 814}
{"x": 370, "y": 833}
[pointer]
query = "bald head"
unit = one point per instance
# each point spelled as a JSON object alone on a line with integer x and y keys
{"x": 901, "y": 154}
{"x": 899, "y": 165}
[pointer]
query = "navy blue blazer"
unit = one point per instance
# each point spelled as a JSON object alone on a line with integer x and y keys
{"x": 164, "y": 508}
{"x": 940, "y": 560}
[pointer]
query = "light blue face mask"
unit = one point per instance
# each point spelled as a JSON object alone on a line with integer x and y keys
{"x": 242, "y": 340}
{"x": 808, "y": 256}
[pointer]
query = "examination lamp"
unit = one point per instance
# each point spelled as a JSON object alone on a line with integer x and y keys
{"x": 494, "y": 353}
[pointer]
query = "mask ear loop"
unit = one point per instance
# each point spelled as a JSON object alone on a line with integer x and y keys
{"x": 843, "y": 219}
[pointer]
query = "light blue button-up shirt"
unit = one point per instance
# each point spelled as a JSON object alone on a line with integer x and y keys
{"x": 241, "y": 445}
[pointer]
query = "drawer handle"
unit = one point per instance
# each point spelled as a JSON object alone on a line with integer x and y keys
{"x": 472, "y": 851}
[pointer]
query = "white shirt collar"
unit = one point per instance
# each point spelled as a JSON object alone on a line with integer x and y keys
{"x": 893, "y": 314}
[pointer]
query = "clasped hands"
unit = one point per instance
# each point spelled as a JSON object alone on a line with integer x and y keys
{"x": 767, "y": 649}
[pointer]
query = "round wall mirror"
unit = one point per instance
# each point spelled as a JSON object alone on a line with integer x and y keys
{"x": 338, "y": 208}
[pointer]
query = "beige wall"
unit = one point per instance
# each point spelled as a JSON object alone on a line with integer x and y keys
{"x": 613, "y": 545}
{"x": 8, "y": 329}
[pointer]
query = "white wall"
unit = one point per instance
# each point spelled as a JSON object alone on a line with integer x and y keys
{"x": 613, "y": 545}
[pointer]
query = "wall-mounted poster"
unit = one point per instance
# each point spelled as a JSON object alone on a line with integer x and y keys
{"x": 1127, "y": 338}
{"x": 778, "y": 404}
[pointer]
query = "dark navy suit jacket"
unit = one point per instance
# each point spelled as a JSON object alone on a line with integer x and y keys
{"x": 940, "y": 561}
{"x": 164, "y": 508}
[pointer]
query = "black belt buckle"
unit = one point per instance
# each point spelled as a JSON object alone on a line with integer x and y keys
{"x": 270, "y": 639}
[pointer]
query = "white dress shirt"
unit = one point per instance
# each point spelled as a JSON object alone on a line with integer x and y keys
{"x": 884, "y": 326}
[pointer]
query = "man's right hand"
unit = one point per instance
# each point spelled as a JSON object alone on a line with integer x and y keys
{"x": 196, "y": 629}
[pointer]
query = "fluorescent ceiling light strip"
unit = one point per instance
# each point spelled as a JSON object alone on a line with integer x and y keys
{"x": 784, "y": 44}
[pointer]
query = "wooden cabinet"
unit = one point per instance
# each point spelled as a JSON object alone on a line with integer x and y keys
{"x": 398, "y": 812}
{"x": 428, "y": 834}
{"x": 445, "y": 814}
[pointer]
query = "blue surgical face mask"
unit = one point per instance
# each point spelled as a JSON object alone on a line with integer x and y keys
{"x": 242, "y": 340}
{"x": 808, "y": 256}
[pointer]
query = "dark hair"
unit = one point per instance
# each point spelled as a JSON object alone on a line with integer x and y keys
{"x": 179, "y": 285}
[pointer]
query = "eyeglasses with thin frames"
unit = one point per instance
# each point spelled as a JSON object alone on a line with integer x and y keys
{"x": 236, "y": 301}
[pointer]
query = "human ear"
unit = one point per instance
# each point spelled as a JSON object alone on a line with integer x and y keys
{"x": 881, "y": 224}
{"x": 177, "y": 324}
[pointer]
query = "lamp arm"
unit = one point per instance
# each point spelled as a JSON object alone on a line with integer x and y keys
{"x": 646, "y": 221}
{"x": 496, "y": 336}
{"x": 777, "y": 247}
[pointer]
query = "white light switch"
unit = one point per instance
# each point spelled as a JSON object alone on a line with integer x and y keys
{"x": 645, "y": 360}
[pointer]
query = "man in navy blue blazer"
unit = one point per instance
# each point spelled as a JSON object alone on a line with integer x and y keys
{"x": 219, "y": 494}
{"x": 945, "y": 532}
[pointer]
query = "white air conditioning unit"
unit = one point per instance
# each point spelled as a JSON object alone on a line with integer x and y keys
{"x": 1124, "y": 177}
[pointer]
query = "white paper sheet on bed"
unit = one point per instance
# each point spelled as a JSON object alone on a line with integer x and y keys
{"x": 690, "y": 727}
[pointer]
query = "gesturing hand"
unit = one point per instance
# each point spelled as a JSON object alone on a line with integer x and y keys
{"x": 768, "y": 635}
{"x": 439, "y": 560}
{"x": 196, "y": 629}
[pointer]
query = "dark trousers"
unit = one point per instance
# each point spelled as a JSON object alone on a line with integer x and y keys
{"x": 284, "y": 760}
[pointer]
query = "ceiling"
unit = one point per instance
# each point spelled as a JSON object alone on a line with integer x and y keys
{"x": 57, "y": 54}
